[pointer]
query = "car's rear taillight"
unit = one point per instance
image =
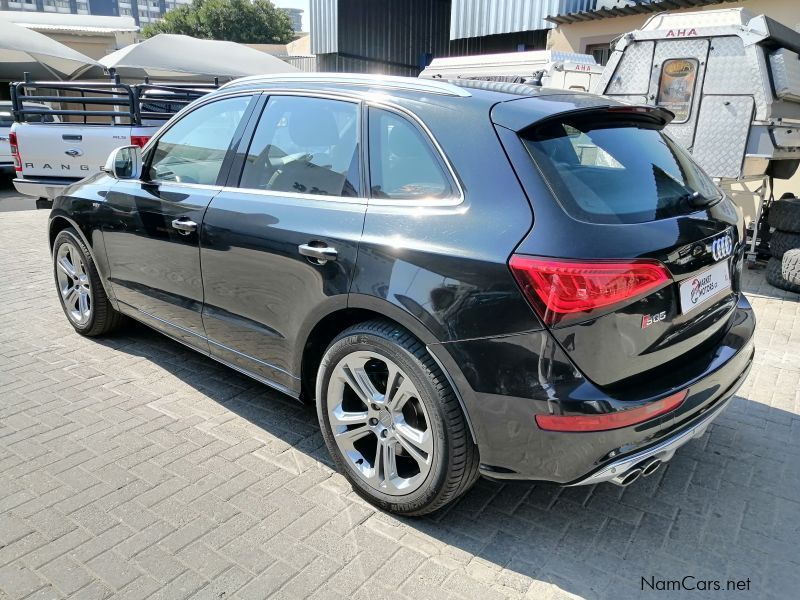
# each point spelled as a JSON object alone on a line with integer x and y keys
{"x": 564, "y": 289}
{"x": 12, "y": 141}
{"x": 613, "y": 420}
{"x": 139, "y": 140}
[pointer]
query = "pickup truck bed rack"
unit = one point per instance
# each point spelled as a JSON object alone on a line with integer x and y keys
{"x": 112, "y": 102}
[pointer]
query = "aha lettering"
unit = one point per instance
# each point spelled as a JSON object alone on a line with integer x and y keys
{"x": 682, "y": 32}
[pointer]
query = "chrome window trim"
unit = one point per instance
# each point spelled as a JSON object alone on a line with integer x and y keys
{"x": 365, "y": 197}
{"x": 295, "y": 195}
{"x": 424, "y": 202}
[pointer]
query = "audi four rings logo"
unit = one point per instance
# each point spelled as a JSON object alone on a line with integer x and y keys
{"x": 722, "y": 247}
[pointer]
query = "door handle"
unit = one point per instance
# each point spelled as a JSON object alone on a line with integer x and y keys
{"x": 184, "y": 225}
{"x": 321, "y": 254}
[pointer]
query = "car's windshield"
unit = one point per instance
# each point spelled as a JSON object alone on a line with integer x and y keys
{"x": 617, "y": 170}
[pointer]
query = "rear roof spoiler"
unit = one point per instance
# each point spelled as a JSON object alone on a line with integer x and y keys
{"x": 525, "y": 112}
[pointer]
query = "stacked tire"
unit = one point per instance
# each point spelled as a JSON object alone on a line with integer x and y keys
{"x": 783, "y": 269}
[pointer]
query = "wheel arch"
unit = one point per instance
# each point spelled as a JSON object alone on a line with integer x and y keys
{"x": 365, "y": 308}
{"x": 58, "y": 223}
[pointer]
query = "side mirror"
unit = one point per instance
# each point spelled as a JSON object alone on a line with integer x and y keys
{"x": 125, "y": 163}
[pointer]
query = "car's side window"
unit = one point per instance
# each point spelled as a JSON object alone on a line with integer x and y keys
{"x": 193, "y": 149}
{"x": 402, "y": 163}
{"x": 305, "y": 146}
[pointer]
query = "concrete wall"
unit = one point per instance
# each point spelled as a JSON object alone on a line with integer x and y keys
{"x": 576, "y": 37}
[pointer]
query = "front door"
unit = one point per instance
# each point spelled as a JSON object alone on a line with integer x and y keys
{"x": 152, "y": 238}
{"x": 279, "y": 246}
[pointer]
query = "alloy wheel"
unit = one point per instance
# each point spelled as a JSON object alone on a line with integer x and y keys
{"x": 73, "y": 284}
{"x": 379, "y": 423}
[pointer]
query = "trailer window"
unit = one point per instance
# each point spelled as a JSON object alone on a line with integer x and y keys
{"x": 616, "y": 170}
{"x": 676, "y": 87}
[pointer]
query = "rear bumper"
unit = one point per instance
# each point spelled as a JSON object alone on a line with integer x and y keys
{"x": 663, "y": 451}
{"x": 513, "y": 447}
{"x": 42, "y": 187}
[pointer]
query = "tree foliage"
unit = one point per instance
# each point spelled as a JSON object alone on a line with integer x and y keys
{"x": 243, "y": 21}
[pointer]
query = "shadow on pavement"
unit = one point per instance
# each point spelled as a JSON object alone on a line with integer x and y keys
{"x": 726, "y": 506}
{"x": 10, "y": 199}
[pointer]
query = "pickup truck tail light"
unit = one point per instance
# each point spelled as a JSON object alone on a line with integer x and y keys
{"x": 139, "y": 140}
{"x": 565, "y": 289}
{"x": 12, "y": 141}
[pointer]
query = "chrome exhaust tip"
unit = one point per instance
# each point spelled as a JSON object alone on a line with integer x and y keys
{"x": 627, "y": 478}
{"x": 651, "y": 467}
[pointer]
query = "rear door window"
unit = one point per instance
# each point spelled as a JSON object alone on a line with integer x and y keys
{"x": 305, "y": 146}
{"x": 616, "y": 170}
{"x": 402, "y": 163}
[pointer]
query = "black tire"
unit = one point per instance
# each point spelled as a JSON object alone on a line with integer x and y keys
{"x": 784, "y": 214}
{"x": 790, "y": 267}
{"x": 104, "y": 319}
{"x": 781, "y": 241}
{"x": 775, "y": 277}
{"x": 455, "y": 463}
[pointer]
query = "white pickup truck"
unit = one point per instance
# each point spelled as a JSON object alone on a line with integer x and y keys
{"x": 94, "y": 119}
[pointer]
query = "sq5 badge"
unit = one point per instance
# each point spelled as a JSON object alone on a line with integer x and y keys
{"x": 648, "y": 320}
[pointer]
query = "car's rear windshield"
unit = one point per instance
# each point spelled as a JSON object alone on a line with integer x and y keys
{"x": 605, "y": 168}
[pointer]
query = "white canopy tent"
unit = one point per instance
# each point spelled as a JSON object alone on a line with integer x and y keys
{"x": 181, "y": 57}
{"x": 23, "y": 50}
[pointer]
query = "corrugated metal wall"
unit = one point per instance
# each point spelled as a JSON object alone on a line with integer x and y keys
{"x": 474, "y": 18}
{"x": 304, "y": 63}
{"x": 324, "y": 27}
{"x": 394, "y": 33}
{"x": 396, "y": 37}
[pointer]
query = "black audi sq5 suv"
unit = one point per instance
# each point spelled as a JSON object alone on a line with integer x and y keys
{"x": 465, "y": 278}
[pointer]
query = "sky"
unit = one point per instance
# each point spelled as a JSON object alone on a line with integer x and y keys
{"x": 302, "y": 4}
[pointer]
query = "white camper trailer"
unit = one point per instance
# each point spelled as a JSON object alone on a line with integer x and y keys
{"x": 564, "y": 70}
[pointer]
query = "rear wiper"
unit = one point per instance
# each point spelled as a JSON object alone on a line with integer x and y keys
{"x": 697, "y": 200}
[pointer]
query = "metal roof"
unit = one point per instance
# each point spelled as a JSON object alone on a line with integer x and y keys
{"x": 641, "y": 8}
{"x": 69, "y": 22}
{"x": 75, "y": 28}
{"x": 477, "y": 18}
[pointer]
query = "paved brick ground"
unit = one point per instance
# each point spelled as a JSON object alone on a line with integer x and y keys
{"x": 133, "y": 467}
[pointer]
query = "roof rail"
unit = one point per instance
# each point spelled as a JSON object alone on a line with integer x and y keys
{"x": 374, "y": 81}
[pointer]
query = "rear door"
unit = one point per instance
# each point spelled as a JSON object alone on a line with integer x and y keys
{"x": 152, "y": 233}
{"x": 279, "y": 244}
{"x": 614, "y": 189}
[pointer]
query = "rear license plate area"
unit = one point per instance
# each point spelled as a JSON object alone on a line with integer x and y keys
{"x": 696, "y": 291}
